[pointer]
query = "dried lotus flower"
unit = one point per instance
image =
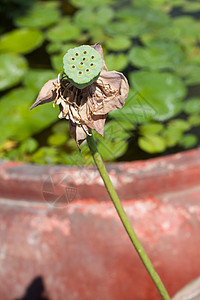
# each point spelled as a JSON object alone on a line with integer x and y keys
{"x": 86, "y": 91}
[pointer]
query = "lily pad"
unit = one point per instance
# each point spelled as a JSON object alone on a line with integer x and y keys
{"x": 188, "y": 141}
{"x": 152, "y": 143}
{"x": 89, "y": 18}
{"x": 164, "y": 91}
{"x": 194, "y": 120}
{"x": 28, "y": 146}
{"x": 57, "y": 62}
{"x": 130, "y": 28}
{"x": 151, "y": 128}
{"x": 13, "y": 68}
{"x": 116, "y": 62}
{"x": 36, "y": 78}
{"x": 179, "y": 124}
{"x": 143, "y": 20}
{"x": 98, "y": 35}
{"x": 57, "y": 139}
{"x": 63, "y": 31}
{"x": 158, "y": 55}
{"x": 17, "y": 121}
{"x": 21, "y": 41}
{"x": 55, "y": 47}
{"x": 136, "y": 110}
{"x": 118, "y": 43}
{"x": 172, "y": 136}
{"x": 90, "y": 3}
{"x": 191, "y": 6}
{"x": 192, "y": 106}
{"x": 185, "y": 29}
{"x": 189, "y": 72}
{"x": 42, "y": 15}
{"x": 111, "y": 150}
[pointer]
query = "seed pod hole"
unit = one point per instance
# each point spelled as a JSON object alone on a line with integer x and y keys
{"x": 76, "y": 54}
{"x": 87, "y": 70}
{"x": 85, "y": 52}
{"x": 73, "y": 58}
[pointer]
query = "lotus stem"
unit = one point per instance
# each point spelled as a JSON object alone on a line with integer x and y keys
{"x": 125, "y": 221}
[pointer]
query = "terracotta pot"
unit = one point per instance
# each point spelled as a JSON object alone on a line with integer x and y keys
{"x": 61, "y": 236}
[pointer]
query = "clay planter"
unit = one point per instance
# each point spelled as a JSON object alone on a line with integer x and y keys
{"x": 61, "y": 236}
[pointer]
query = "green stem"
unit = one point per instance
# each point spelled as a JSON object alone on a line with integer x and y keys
{"x": 127, "y": 225}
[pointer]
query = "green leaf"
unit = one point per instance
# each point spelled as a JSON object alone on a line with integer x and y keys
{"x": 148, "y": 19}
{"x": 171, "y": 136}
{"x": 116, "y": 130}
{"x": 190, "y": 6}
{"x": 13, "y": 68}
{"x": 111, "y": 150}
{"x": 28, "y": 146}
{"x": 36, "y": 78}
{"x": 42, "y": 15}
{"x": 98, "y": 35}
{"x": 63, "y": 31}
{"x": 188, "y": 141}
{"x": 89, "y": 18}
{"x": 90, "y": 3}
{"x": 135, "y": 111}
{"x": 194, "y": 120}
{"x": 118, "y": 43}
{"x": 57, "y": 139}
{"x": 152, "y": 143}
{"x": 130, "y": 28}
{"x": 179, "y": 124}
{"x": 17, "y": 121}
{"x": 192, "y": 105}
{"x": 150, "y": 128}
{"x": 116, "y": 62}
{"x": 164, "y": 92}
{"x": 21, "y": 40}
{"x": 190, "y": 73}
{"x": 46, "y": 155}
{"x": 57, "y": 62}
{"x": 55, "y": 47}
{"x": 158, "y": 55}
{"x": 62, "y": 126}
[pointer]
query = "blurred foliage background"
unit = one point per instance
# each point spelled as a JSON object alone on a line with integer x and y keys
{"x": 155, "y": 43}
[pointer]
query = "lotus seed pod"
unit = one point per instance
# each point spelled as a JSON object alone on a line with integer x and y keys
{"x": 82, "y": 65}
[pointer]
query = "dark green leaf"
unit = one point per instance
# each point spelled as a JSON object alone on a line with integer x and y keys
{"x": 152, "y": 143}
{"x": 13, "y": 68}
{"x": 21, "y": 41}
{"x": 42, "y": 15}
{"x": 164, "y": 92}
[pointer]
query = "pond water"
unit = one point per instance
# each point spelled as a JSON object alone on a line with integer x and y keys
{"x": 155, "y": 44}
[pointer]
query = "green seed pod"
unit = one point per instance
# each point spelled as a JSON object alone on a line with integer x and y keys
{"x": 82, "y": 65}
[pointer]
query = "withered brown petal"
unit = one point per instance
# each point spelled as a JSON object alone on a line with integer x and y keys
{"x": 94, "y": 122}
{"x": 116, "y": 81}
{"x": 77, "y": 132}
{"x": 47, "y": 93}
{"x": 99, "y": 49}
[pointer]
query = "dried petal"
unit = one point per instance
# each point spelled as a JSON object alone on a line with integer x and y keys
{"x": 47, "y": 93}
{"x": 117, "y": 83}
{"x": 99, "y": 49}
{"x": 78, "y": 133}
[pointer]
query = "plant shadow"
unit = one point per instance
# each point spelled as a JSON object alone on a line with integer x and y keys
{"x": 35, "y": 291}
